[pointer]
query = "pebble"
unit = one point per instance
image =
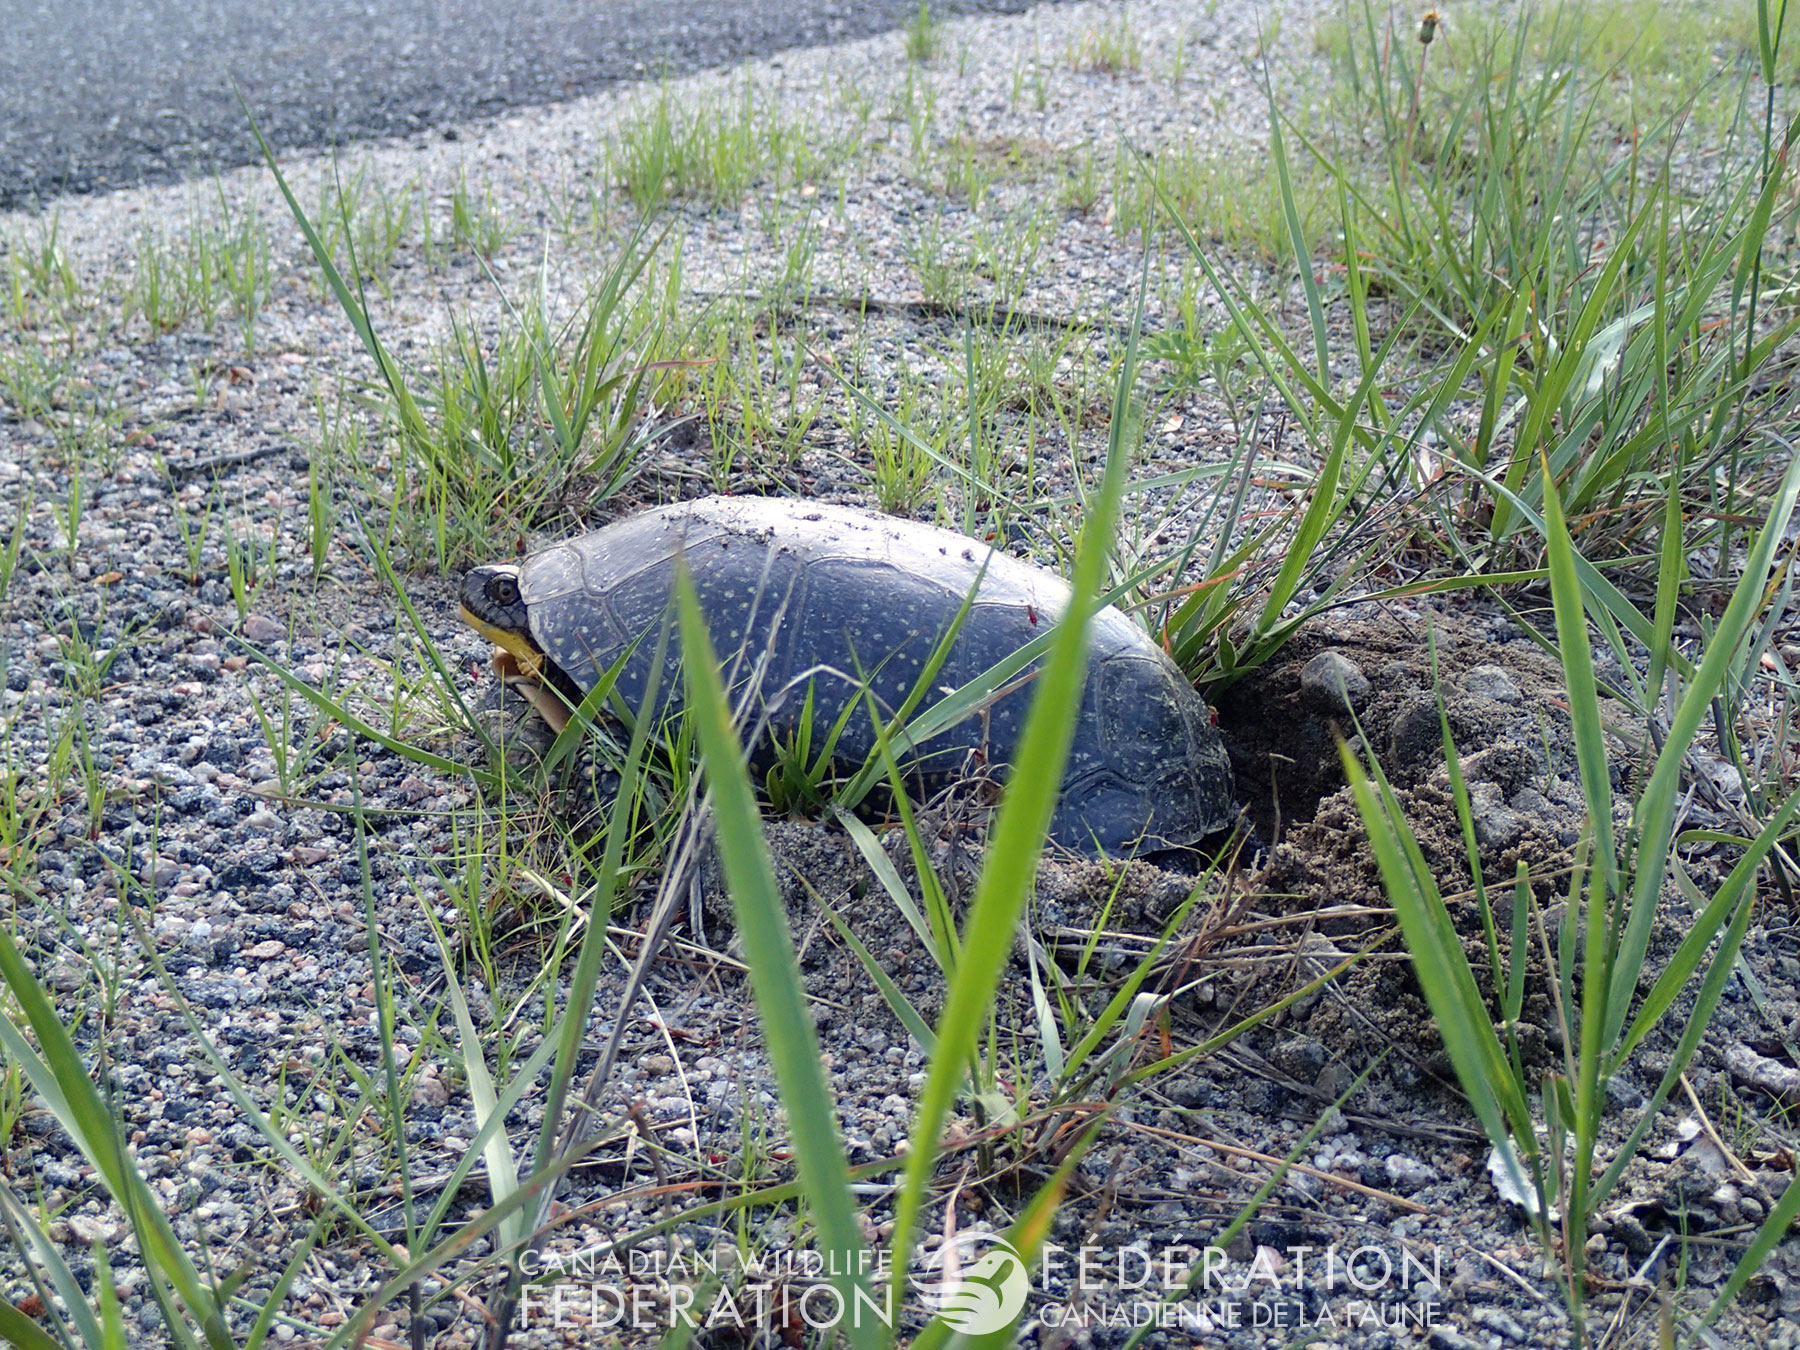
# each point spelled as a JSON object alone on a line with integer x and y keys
{"x": 1496, "y": 825}
{"x": 1332, "y": 682}
{"x": 1406, "y": 1173}
{"x": 1491, "y": 682}
{"x": 1300, "y": 1059}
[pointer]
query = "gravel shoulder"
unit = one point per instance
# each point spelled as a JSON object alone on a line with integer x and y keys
{"x": 191, "y": 782}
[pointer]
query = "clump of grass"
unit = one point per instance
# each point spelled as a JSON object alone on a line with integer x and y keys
{"x": 1231, "y": 197}
{"x": 219, "y": 263}
{"x": 1112, "y": 49}
{"x": 41, "y": 281}
{"x": 1567, "y": 321}
{"x": 715, "y": 154}
{"x": 1596, "y": 949}
{"x": 1078, "y": 189}
{"x": 476, "y": 223}
{"x": 924, "y": 35}
{"x": 511, "y": 427}
{"x": 360, "y": 216}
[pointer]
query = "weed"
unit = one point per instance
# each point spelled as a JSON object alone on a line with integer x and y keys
{"x": 33, "y": 378}
{"x": 923, "y": 35}
{"x": 339, "y": 441}
{"x": 900, "y": 471}
{"x": 13, "y": 549}
{"x": 41, "y": 280}
{"x": 1005, "y": 252}
{"x": 513, "y": 426}
{"x": 916, "y": 105}
{"x": 1079, "y": 189}
{"x": 1231, "y": 197}
{"x": 476, "y": 224}
{"x": 715, "y": 153}
{"x": 1112, "y": 49}
{"x": 942, "y": 277}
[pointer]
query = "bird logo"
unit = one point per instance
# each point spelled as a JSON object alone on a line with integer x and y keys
{"x": 976, "y": 1282}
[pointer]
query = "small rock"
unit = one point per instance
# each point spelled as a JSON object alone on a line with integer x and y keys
{"x": 1443, "y": 1338}
{"x": 1771, "y": 1075}
{"x": 263, "y": 631}
{"x": 1496, "y": 826}
{"x": 88, "y": 1230}
{"x": 1408, "y": 1174}
{"x": 1300, "y": 1059}
{"x": 1491, "y": 682}
{"x": 1334, "y": 1081}
{"x": 1397, "y": 675}
{"x": 1416, "y": 734}
{"x": 159, "y": 872}
{"x": 430, "y": 1090}
{"x": 1495, "y": 1319}
{"x": 266, "y": 951}
{"x": 1332, "y": 682}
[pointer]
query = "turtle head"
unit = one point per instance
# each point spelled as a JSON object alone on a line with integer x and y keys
{"x": 493, "y": 606}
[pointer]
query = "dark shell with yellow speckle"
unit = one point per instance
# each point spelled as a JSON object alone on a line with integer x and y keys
{"x": 819, "y": 593}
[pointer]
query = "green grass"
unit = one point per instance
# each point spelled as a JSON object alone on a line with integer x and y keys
{"x": 924, "y": 35}
{"x": 218, "y": 265}
{"x": 1109, "y": 49}
{"x": 1230, "y": 196}
{"x": 717, "y": 153}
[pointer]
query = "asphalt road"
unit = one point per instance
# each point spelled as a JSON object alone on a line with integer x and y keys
{"x": 98, "y": 94}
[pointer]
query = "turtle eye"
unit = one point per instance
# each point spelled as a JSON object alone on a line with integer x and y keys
{"x": 504, "y": 591}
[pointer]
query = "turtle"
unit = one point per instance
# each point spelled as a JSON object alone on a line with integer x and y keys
{"x": 814, "y": 601}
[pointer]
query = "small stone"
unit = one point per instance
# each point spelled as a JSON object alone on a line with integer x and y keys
{"x": 88, "y": 1230}
{"x": 159, "y": 872}
{"x": 1332, "y": 682}
{"x": 1408, "y": 1174}
{"x": 1491, "y": 682}
{"x": 1334, "y": 1080}
{"x": 1300, "y": 1059}
{"x": 1496, "y": 826}
{"x": 263, "y": 631}
{"x": 1495, "y": 1319}
{"x": 266, "y": 951}
{"x": 1416, "y": 734}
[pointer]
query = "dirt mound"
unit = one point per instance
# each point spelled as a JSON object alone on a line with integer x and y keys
{"x": 1505, "y": 703}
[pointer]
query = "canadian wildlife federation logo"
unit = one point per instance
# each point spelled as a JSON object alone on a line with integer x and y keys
{"x": 977, "y": 1282}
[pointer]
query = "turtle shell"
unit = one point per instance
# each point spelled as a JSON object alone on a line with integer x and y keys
{"x": 798, "y": 594}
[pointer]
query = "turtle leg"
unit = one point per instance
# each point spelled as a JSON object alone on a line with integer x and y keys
{"x": 548, "y": 706}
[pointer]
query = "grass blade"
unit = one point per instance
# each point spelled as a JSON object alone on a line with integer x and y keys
{"x": 1023, "y": 823}
{"x": 774, "y": 966}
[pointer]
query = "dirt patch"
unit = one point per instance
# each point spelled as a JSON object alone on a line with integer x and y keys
{"x": 1504, "y": 700}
